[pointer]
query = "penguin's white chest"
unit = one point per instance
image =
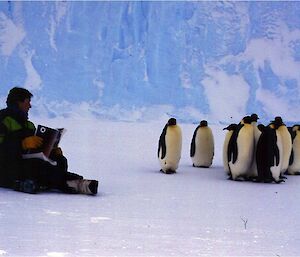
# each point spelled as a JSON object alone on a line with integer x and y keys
{"x": 253, "y": 168}
{"x": 286, "y": 147}
{"x": 173, "y": 139}
{"x": 295, "y": 166}
{"x": 204, "y": 147}
{"x": 245, "y": 146}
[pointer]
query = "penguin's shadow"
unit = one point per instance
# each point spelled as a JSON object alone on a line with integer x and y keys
{"x": 187, "y": 170}
{"x": 214, "y": 172}
{"x": 157, "y": 171}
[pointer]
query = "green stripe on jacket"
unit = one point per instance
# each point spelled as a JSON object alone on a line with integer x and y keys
{"x": 12, "y": 125}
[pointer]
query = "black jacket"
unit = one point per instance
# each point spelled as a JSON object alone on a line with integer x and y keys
{"x": 14, "y": 127}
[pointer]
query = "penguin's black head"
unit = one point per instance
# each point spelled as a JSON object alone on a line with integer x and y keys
{"x": 232, "y": 126}
{"x": 203, "y": 123}
{"x": 254, "y": 117}
{"x": 247, "y": 120}
{"x": 274, "y": 125}
{"x": 261, "y": 127}
{"x": 278, "y": 121}
{"x": 296, "y": 127}
{"x": 172, "y": 122}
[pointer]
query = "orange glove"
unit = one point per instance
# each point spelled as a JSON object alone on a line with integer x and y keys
{"x": 57, "y": 151}
{"x": 32, "y": 142}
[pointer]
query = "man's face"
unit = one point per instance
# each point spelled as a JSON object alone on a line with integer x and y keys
{"x": 25, "y": 105}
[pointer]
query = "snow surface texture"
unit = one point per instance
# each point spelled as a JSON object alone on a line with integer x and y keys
{"x": 137, "y": 61}
{"x": 141, "y": 212}
{"x": 148, "y": 61}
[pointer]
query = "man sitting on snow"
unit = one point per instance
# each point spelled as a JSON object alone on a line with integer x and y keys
{"x": 32, "y": 175}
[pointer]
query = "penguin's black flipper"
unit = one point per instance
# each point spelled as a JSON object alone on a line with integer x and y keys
{"x": 292, "y": 133}
{"x": 162, "y": 143}
{"x": 291, "y": 157}
{"x": 232, "y": 152}
{"x": 193, "y": 144}
{"x": 277, "y": 156}
{"x": 275, "y": 149}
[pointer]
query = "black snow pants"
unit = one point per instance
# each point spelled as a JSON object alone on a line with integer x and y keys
{"x": 47, "y": 175}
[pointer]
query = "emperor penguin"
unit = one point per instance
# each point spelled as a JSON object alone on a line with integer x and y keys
{"x": 202, "y": 146}
{"x": 169, "y": 147}
{"x": 294, "y": 164}
{"x": 228, "y": 135}
{"x": 268, "y": 154}
{"x": 240, "y": 150}
{"x": 286, "y": 143}
{"x": 257, "y": 133}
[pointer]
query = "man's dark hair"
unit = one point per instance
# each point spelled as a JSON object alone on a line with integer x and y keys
{"x": 17, "y": 94}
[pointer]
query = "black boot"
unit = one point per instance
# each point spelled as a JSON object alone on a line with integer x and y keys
{"x": 27, "y": 186}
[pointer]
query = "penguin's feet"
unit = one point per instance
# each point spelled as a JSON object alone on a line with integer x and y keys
{"x": 200, "y": 166}
{"x": 239, "y": 179}
{"x": 256, "y": 179}
{"x": 267, "y": 179}
{"x": 249, "y": 178}
{"x": 282, "y": 177}
{"x": 279, "y": 181}
{"x": 168, "y": 171}
{"x": 291, "y": 173}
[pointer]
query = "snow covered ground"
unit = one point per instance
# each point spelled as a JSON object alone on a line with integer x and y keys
{"x": 142, "y": 212}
